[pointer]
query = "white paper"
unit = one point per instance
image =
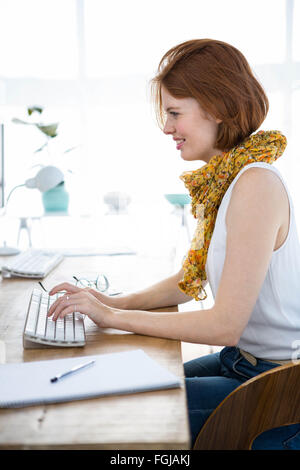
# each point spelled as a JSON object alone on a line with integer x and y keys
{"x": 28, "y": 383}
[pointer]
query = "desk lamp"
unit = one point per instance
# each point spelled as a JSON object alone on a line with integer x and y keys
{"x": 46, "y": 178}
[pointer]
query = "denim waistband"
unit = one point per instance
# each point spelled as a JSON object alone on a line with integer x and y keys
{"x": 253, "y": 360}
{"x": 242, "y": 366}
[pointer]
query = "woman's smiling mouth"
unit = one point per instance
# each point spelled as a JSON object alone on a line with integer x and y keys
{"x": 179, "y": 143}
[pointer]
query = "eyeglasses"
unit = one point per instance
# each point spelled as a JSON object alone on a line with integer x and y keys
{"x": 101, "y": 283}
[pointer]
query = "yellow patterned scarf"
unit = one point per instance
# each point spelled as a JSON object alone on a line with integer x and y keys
{"x": 207, "y": 187}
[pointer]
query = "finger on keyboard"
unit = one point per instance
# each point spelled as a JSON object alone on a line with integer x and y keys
{"x": 65, "y": 286}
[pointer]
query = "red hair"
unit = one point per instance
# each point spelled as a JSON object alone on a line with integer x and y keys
{"x": 219, "y": 77}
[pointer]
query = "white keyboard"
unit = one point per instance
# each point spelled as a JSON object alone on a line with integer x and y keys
{"x": 31, "y": 263}
{"x": 41, "y": 331}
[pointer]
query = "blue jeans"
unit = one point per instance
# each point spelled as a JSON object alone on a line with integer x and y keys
{"x": 209, "y": 379}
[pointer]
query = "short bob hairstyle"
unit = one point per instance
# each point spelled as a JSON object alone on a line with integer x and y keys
{"x": 219, "y": 77}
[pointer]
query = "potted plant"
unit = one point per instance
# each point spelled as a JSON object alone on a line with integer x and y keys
{"x": 57, "y": 198}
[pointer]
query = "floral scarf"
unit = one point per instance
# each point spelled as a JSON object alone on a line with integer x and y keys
{"x": 207, "y": 187}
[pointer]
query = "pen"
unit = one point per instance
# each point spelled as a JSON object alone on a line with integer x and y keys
{"x": 71, "y": 371}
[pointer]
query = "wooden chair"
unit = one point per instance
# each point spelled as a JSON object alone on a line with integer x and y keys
{"x": 267, "y": 401}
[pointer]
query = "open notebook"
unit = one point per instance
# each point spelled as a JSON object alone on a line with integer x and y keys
{"x": 29, "y": 383}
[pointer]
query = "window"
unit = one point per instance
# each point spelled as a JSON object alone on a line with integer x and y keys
{"x": 89, "y": 64}
{"x": 38, "y": 39}
{"x": 128, "y": 38}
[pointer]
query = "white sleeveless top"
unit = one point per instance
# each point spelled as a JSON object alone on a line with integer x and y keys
{"x": 273, "y": 330}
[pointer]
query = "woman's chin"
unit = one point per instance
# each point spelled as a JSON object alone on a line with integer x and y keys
{"x": 188, "y": 157}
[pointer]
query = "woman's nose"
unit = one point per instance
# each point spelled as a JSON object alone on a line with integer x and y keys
{"x": 168, "y": 128}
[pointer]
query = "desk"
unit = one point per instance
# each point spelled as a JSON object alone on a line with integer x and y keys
{"x": 149, "y": 420}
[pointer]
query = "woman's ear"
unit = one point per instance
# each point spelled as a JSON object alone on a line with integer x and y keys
{"x": 211, "y": 117}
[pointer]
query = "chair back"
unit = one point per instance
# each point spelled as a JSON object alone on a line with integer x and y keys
{"x": 267, "y": 401}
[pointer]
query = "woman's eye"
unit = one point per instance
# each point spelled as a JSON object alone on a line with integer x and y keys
{"x": 173, "y": 113}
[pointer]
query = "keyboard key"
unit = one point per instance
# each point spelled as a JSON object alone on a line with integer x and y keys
{"x": 50, "y": 329}
{"x": 79, "y": 327}
{"x": 69, "y": 331}
{"x": 32, "y": 318}
{"x": 41, "y": 325}
{"x": 60, "y": 329}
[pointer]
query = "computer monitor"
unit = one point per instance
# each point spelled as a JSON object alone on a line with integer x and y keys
{"x": 2, "y": 201}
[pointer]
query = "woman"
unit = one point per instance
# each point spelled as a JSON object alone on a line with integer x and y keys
{"x": 246, "y": 244}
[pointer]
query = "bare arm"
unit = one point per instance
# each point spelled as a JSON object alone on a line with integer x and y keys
{"x": 252, "y": 228}
{"x": 254, "y": 218}
{"x": 162, "y": 294}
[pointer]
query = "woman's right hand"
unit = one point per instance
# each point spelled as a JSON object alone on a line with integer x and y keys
{"x": 111, "y": 301}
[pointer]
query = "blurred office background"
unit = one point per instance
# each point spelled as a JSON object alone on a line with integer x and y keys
{"x": 89, "y": 64}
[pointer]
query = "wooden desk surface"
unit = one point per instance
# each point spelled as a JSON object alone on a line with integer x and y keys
{"x": 148, "y": 420}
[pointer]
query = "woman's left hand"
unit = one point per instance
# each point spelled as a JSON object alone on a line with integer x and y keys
{"x": 84, "y": 302}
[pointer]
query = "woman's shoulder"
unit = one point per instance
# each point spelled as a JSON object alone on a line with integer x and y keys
{"x": 259, "y": 181}
{"x": 260, "y": 188}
